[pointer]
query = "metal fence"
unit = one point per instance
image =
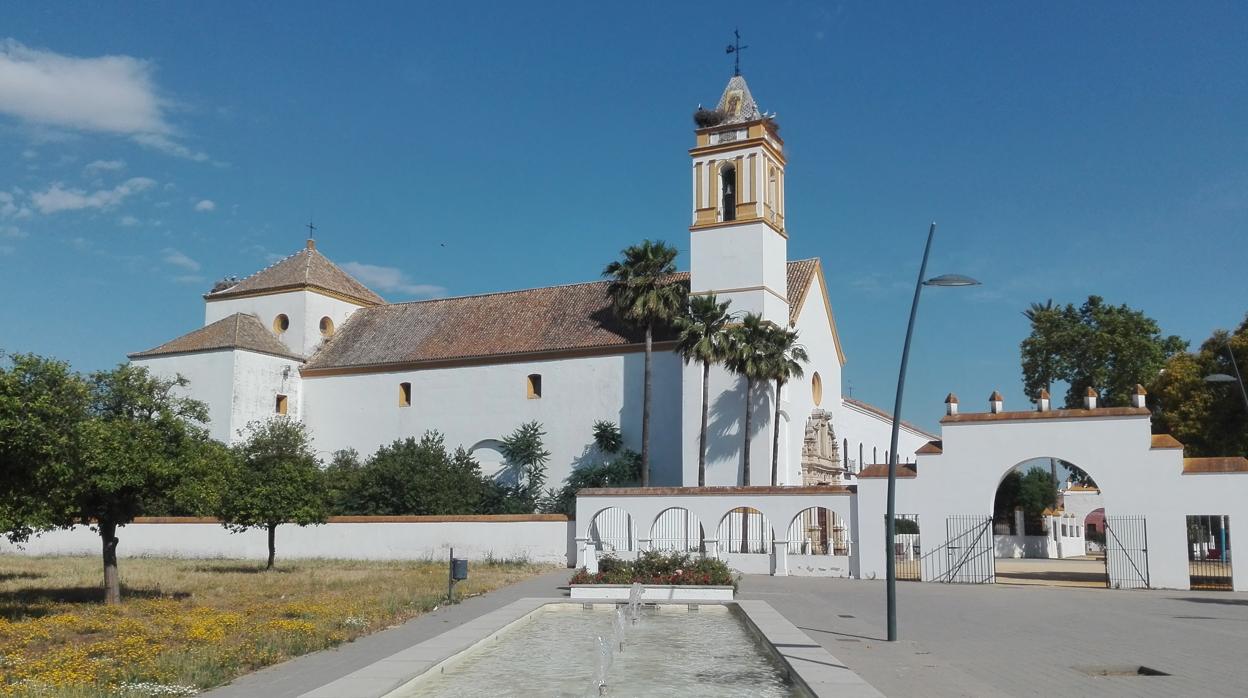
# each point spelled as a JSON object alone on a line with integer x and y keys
{"x": 1126, "y": 552}
{"x": 677, "y": 530}
{"x": 611, "y": 530}
{"x": 1209, "y": 552}
{"x": 818, "y": 531}
{"x": 745, "y": 530}
{"x": 967, "y": 556}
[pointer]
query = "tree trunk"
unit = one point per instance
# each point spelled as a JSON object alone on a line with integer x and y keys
{"x": 745, "y": 461}
{"x": 645, "y": 412}
{"x": 272, "y": 546}
{"x": 112, "y": 583}
{"x": 706, "y": 394}
{"x": 775, "y": 440}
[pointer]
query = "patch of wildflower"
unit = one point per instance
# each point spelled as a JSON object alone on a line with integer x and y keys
{"x": 151, "y": 688}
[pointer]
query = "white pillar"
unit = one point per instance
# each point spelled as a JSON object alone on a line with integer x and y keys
{"x": 780, "y": 558}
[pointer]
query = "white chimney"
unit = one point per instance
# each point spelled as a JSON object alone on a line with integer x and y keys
{"x": 951, "y": 404}
{"x": 1138, "y": 399}
{"x": 1089, "y": 399}
{"x": 1042, "y": 403}
{"x": 995, "y": 402}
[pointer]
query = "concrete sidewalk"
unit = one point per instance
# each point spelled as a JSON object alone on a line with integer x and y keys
{"x": 1002, "y": 640}
{"x": 302, "y": 674}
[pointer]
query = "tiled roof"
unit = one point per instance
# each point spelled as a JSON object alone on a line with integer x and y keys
{"x": 307, "y": 268}
{"x": 887, "y": 416}
{"x": 931, "y": 448}
{"x": 576, "y": 317}
{"x": 881, "y": 470}
{"x": 238, "y": 331}
{"x": 1165, "y": 441}
{"x": 746, "y": 109}
{"x": 1221, "y": 464}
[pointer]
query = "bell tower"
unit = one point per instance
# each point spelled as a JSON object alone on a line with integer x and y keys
{"x": 738, "y": 242}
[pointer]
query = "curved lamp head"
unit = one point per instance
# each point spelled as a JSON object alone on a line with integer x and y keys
{"x": 951, "y": 280}
{"x": 1219, "y": 378}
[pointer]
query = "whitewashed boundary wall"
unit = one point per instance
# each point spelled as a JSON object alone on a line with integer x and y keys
{"x": 545, "y": 538}
{"x": 774, "y": 537}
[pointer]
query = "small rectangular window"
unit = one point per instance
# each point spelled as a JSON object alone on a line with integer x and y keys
{"x": 279, "y": 405}
{"x": 535, "y": 386}
{"x": 405, "y": 394}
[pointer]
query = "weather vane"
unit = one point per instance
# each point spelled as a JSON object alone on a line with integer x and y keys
{"x": 736, "y": 48}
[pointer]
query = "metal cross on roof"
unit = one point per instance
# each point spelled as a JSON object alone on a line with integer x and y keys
{"x": 311, "y": 229}
{"x": 736, "y": 48}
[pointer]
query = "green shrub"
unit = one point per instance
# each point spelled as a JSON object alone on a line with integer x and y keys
{"x": 654, "y": 567}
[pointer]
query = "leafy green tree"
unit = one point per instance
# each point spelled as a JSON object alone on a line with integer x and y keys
{"x": 748, "y": 359}
{"x": 607, "y": 436}
{"x": 1209, "y": 418}
{"x": 526, "y": 454}
{"x": 277, "y": 480}
{"x": 644, "y": 295}
{"x": 782, "y": 363}
{"x": 703, "y": 337}
{"x": 1033, "y": 491}
{"x": 410, "y": 477}
{"x": 341, "y": 479}
{"x": 1108, "y": 348}
{"x": 43, "y": 405}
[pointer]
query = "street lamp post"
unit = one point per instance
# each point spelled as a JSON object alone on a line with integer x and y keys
{"x": 890, "y": 521}
{"x": 1237, "y": 378}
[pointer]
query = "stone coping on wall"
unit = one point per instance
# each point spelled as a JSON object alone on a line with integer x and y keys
{"x": 974, "y": 417}
{"x": 1219, "y": 464}
{"x": 468, "y": 518}
{"x": 765, "y": 490}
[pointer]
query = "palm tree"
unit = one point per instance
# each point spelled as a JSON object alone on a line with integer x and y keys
{"x": 747, "y": 359}
{"x": 783, "y": 362}
{"x": 704, "y": 337}
{"x": 644, "y": 296}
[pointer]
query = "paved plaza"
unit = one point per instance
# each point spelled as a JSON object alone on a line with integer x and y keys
{"x": 957, "y": 640}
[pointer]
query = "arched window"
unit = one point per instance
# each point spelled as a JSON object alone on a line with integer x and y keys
{"x": 405, "y": 394}
{"x": 816, "y": 388}
{"x": 534, "y": 385}
{"x": 327, "y": 327}
{"x": 773, "y": 191}
{"x": 728, "y": 191}
{"x": 281, "y": 323}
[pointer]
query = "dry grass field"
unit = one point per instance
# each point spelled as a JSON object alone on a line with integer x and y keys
{"x": 187, "y": 625}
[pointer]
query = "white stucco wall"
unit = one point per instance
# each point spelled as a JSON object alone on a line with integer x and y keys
{"x": 238, "y": 386}
{"x": 737, "y": 262}
{"x": 485, "y": 403}
{"x": 536, "y": 541}
{"x": 211, "y": 381}
{"x": 870, "y": 435}
{"x": 1116, "y": 451}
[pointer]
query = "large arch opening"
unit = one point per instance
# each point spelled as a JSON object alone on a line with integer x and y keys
{"x": 1040, "y": 511}
{"x": 818, "y": 531}
{"x": 745, "y": 531}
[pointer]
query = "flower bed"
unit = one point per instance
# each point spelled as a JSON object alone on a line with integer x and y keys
{"x": 657, "y": 568}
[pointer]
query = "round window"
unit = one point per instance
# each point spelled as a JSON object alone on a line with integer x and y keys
{"x": 281, "y": 323}
{"x": 816, "y": 388}
{"x": 327, "y": 327}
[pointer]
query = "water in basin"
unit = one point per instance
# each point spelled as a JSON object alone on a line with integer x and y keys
{"x": 672, "y": 651}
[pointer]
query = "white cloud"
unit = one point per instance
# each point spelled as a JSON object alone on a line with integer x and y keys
{"x": 9, "y": 208}
{"x": 57, "y": 198}
{"x": 178, "y": 259}
{"x": 104, "y": 166}
{"x": 390, "y": 279}
{"x": 114, "y": 94}
{"x": 206, "y": 205}
{"x": 128, "y": 221}
{"x": 103, "y": 94}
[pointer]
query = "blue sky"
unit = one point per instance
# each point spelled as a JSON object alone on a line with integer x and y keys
{"x": 1063, "y": 148}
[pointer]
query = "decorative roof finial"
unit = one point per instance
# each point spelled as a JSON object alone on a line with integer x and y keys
{"x": 735, "y": 48}
{"x": 311, "y": 234}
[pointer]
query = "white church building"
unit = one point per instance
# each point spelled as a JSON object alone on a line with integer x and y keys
{"x": 304, "y": 339}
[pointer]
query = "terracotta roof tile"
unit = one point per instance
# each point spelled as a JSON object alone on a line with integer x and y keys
{"x": 905, "y": 470}
{"x": 1049, "y": 414}
{"x": 238, "y": 331}
{"x": 931, "y": 448}
{"x": 306, "y": 268}
{"x": 577, "y": 317}
{"x": 1220, "y": 464}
